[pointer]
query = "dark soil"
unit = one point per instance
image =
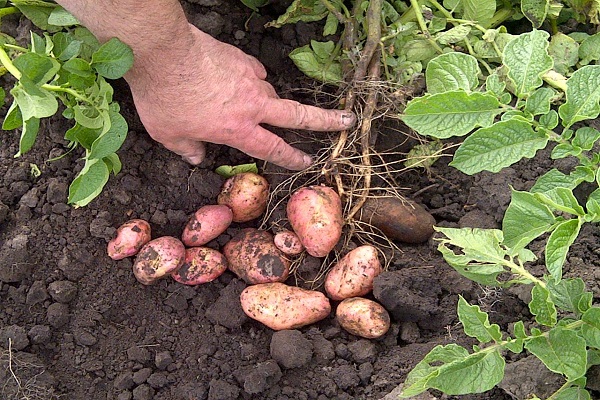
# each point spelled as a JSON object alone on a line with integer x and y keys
{"x": 81, "y": 326}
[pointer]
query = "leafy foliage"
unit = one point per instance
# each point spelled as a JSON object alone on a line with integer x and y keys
{"x": 67, "y": 69}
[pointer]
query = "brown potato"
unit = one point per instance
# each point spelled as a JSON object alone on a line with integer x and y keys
{"x": 363, "y": 317}
{"x": 398, "y": 219}
{"x": 207, "y": 223}
{"x": 288, "y": 242}
{"x": 159, "y": 257}
{"x": 253, "y": 257}
{"x": 280, "y": 306}
{"x": 201, "y": 265}
{"x": 315, "y": 213}
{"x": 246, "y": 194}
{"x": 353, "y": 275}
{"x": 129, "y": 239}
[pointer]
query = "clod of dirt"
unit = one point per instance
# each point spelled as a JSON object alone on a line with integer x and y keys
{"x": 227, "y": 311}
{"x": 291, "y": 349}
{"x": 261, "y": 377}
{"x": 13, "y": 264}
{"x": 16, "y": 335}
{"x": 63, "y": 291}
{"x": 529, "y": 375}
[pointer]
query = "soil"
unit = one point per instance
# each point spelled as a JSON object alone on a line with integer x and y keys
{"x": 81, "y": 326}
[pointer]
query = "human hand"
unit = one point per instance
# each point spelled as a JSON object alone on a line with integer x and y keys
{"x": 216, "y": 93}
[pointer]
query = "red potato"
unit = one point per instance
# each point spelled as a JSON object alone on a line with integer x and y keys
{"x": 246, "y": 194}
{"x": 253, "y": 257}
{"x": 288, "y": 242}
{"x": 129, "y": 239}
{"x": 207, "y": 223}
{"x": 363, "y": 317}
{"x": 159, "y": 257}
{"x": 201, "y": 265}
{"x": 280, "y": 306}
{"x": 353, "y": 275}
{"x": 315, "y": 213}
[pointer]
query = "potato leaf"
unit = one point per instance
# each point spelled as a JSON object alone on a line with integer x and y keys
{"x": 315, "y": 61}
{"x": 89, "y": 182}
{"x": 559, "y": 242}
{"x": 583, "y": 96}
{"x": 111, "y": 140}
{"x": 476, "y": 322}
{"x": 569, "y": 295}
{"x": 562, "y": 351}
{"x": 525, "y": 219}
{"x": 113, "y": 59}
{"x": 535, "y": 11}
{"x": 301, "y": 10}
{"x": 29, "y": 133}
{"x": 452, "y": 71}
{"x": 542, "y": 306}
{"x": 227, "y": 171}
{"x": 34, "y": 102}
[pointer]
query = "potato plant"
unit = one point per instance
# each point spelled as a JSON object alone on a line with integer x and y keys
{"x": 65, "y": 70}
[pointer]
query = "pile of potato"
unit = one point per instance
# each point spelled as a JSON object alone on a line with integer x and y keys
{"x": 262, "y": 259}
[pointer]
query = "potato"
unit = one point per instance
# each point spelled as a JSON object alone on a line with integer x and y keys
{"x": 353, "y": 275}
{"x": 288, "y": 242}
{"x": 363, "y": 317}
{"x": 129, "y": 239}
{"x": 201, "y": 265}
{"x": 280, "y": 306}
{"x": 207, "y": 223}
{"x": 398, "y": 219}
{"x": 246, "y": 194}
{"x": 253, "y": 257}
{"x": 315, "y": 213}
{"x": 159, "y": 257}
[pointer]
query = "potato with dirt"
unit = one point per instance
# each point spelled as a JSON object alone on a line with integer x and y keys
{"x": 207, "y": 223}
{"x": 288, "y": 242}
{"x": 315, "y": 214}
{"x": 354, "y": 273}
{"x": 129, "y": 239}
{"x": 201, "y": 265}
{"x": 253, "y": 257}
{"x": 280, "y": 306}
{"x": 158, "y": 258}
{"x": 363, "y": 317}
{"x": 399, "y": 219}
{"x": 247, "y": 194}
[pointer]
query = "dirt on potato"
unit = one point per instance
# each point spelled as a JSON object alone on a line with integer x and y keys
{"x": 81, "y": 327}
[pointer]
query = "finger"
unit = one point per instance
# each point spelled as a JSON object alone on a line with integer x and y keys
{"x": 191, "y": 151}
{"x": 257, "y": 67}
{"x": 291, "y": 114}
{"x": 267, "y": 146}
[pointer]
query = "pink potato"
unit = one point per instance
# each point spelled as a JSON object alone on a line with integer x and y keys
{"x": 159, "y": 257}
{"x": 253, "y": 257}
{"x": 363, "y": 317}
{"x": 246, "y": 194}
{"x": 129, "y": 239}
{"x": 288, "y": 242}
{"x": 207, "y": 223}
{"x": 315, "y": 213}
{"x": 280, "y": 306}
{"x": 353, "y": 275}
{"x": 201, "y": 265}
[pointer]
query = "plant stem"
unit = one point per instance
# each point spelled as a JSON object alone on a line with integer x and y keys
{"x": 8, "y": 64}
{"x": 331, "y": 8}
{"x": 423, "y": 25}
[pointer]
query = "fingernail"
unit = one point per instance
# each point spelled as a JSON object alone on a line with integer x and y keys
{"x": 348, "y": 119}
{"x": 194, "y": 160}
{"x": 308, "y": 161}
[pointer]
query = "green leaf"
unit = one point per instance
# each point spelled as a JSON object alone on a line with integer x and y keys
{"x": 309, "y": 60}
{"x": 527, "y": 59}
{"x": 498, "y": 146}
{"x": 592, "y": 206}
{"x": 561, "y": 199}
{"x": 452, "y": 71}
{"x": 535, "y": 11}
{"x": 89, "y": 182}
{"x": 542, "y": 307}
{"x": 113, "y": 59}
{"x": 33, "y": 101}
{"x": 558, "y": 245}
{"x": 590, "y": 330}
{"x": 255, "y": 4}
{"x": 82, "y": 135}
{"x": 37, "y": 68}
{"x": 525, "y": 219}
{"x": 88, "y": 116}
{"x": 481, "y": 11}
{"x": 13, "y": 118}
{"x": 476, "y": 322}
{"x": 589, "y": 49}
{"x": 66, "y": 46}
{"x": 300, "y": 10}
{"x": 454, "y": 371}
{"x": 549, "y": 120}
{"x": 424, "y": 155}
{"x": 572, "y": 393}
{"x": 61, "y": 17}
{"x": 29, "y": 133}
{"x": 567, "y": 293}
{"x": 448, "y": 114}
{"x": 585, "y": 138}
{"x": 37, "y": 12}
{"x": 539, "y": 101}
{"x": 562, "y": 351}
{"x": 419, "y": 50}
{"x": 553, "y": 179}
{"x": 564, "y": 51}
{"x": 227, "y": 171}
{"x": 113, "y": 162}
{"x": 453, "y": 35}
{"x": 494, "y": 85}
{"x": 111, "y": 140}
{"x": 583, "y": 95}
{"x": 331, "y": 25}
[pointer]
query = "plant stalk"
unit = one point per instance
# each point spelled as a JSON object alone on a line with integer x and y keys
{"x": 8, "y": 64}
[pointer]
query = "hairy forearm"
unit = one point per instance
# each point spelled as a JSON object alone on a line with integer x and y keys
{"x": 148, "y": 26}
